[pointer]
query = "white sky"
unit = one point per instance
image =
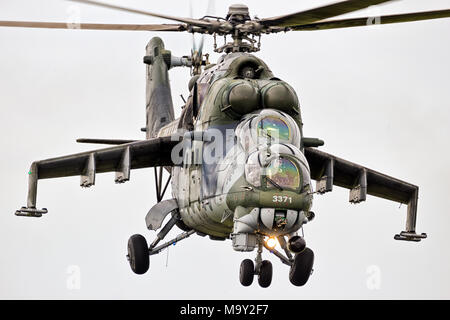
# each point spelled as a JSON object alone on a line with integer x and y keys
{"x": 379, "y": 97}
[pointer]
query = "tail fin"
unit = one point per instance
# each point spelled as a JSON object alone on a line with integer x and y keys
{"x": 159, "y": 99}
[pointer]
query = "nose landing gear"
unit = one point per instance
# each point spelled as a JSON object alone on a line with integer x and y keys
{"x": 263, "y": 269}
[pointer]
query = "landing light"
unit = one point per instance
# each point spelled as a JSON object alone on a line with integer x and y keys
{"x": 271, "y": 242}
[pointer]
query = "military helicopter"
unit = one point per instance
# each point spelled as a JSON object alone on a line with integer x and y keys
{"x": 239, "y": 165}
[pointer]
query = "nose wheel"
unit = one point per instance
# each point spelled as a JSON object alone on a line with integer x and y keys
{"x": 248, "y": 271}
{"x": 265, "y": 274}
{"x": 263, "y": 269}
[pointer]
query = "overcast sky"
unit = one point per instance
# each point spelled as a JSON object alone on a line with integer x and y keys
{"x": 377, "y": 96}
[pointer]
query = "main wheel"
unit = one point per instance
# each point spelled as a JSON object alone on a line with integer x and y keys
{"x": 302, "y": 267}
{"x": 138, "y": 254}
{"x": 265, "y": 274}
{"x": 246, "y": 272}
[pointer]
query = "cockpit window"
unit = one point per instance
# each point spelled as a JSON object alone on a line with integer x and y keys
{"x": 274, "y": 127}
{"x": 267, "y": 127}
{"x": 283, "y": 173}
{"x": 277, "y": 167}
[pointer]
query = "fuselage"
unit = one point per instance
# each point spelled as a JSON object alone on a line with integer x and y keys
{"x": 246, "y": 172}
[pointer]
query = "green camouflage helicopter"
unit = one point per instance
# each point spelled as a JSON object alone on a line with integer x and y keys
{"x": 239, "y": 165}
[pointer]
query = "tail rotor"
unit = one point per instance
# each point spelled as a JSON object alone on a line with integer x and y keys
{"x": 197, "y": 50}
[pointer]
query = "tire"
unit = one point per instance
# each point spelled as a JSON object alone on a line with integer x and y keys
{"x": 246, "y": 272}
{"x": 138, "y": 254}
{"x": 265, "y": 274}
{"x": 302, "y": 267}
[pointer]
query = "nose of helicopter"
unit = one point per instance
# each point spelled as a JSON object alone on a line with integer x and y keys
{"x": 275, "y": 199}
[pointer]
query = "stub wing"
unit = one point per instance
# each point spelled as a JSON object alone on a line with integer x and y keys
{"x": 329, "y": 170}
{"x": 119, "y": 159}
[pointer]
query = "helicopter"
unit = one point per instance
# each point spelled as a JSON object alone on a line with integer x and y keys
{"x": 239, "y": 165}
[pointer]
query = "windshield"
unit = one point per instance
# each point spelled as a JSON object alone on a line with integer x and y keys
{"x": 283, "y": 173}
{"x": 267, "y": 127}
{"x": 274, "y": 127}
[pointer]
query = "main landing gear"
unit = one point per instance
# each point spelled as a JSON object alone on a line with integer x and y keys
{"x": 139, "y": 252}
{"x": 301, "y": 265}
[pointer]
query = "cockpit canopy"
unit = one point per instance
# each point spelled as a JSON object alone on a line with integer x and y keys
{"x": 277, "y": 166}
{"x": 283, "y": 172}
{"x": 267, "y": 126}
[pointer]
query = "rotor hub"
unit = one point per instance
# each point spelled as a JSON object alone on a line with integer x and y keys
{"x": 238, "y": 13}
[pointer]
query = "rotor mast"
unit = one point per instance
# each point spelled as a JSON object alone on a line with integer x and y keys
{"x": 238, "y": 14}
{"x": 242, "y": 27}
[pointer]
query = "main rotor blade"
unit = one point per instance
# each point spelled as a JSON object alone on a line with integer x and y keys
{"x": 193, "y": 44}
{"x": 199, "y": 49}
{"x": 94, "y": 26}
{"x": 194, "y": 22}
{"x": 367, "y": 21}
{"x": 320, "y": 13}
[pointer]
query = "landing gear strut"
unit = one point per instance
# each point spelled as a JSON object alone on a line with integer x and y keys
{"x": 139, "y": 252}
{"x": 263, "y": 268}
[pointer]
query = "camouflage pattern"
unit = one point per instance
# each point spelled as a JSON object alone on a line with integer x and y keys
{"x": 209, "y": 194}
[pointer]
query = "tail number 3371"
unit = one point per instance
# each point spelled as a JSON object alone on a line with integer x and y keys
{"x": 282, "y": 199}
